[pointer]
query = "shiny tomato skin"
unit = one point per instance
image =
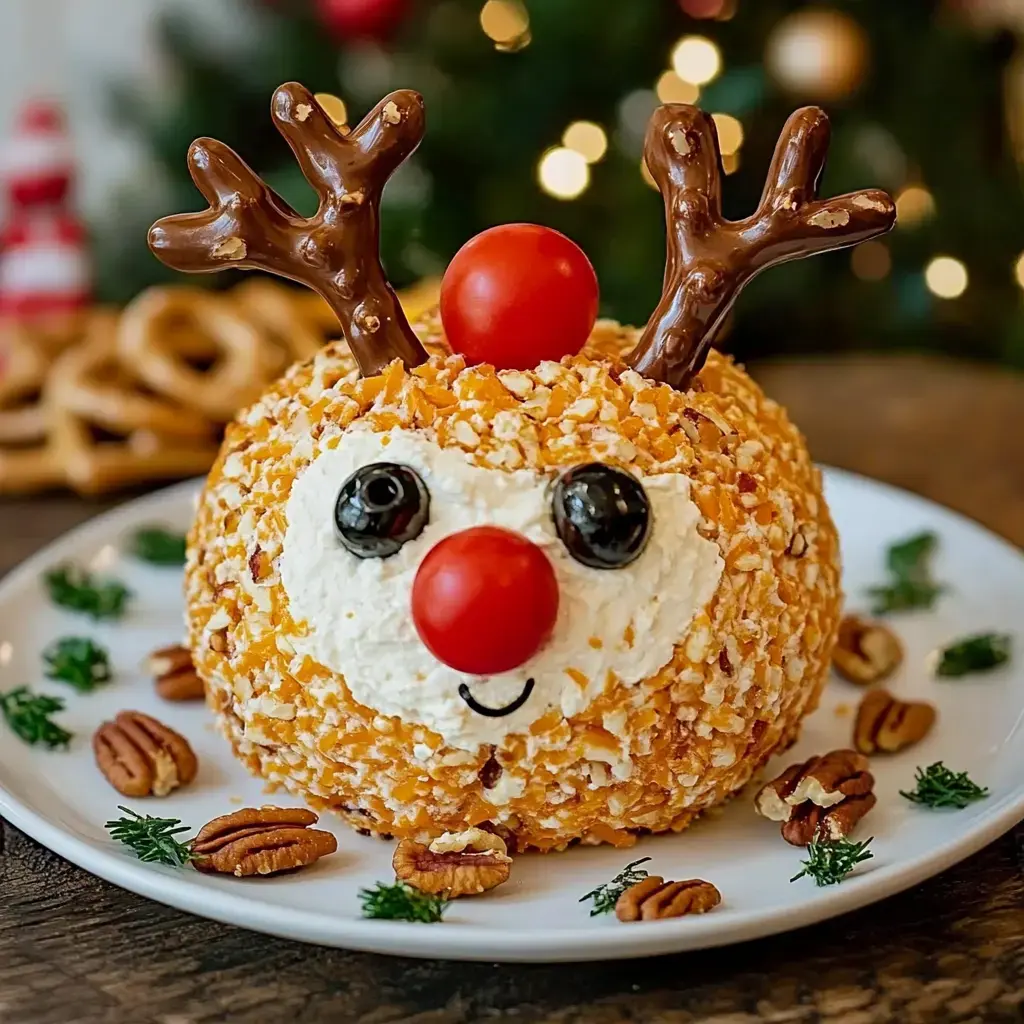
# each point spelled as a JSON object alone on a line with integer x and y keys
{"x": 485, "y": 600}
{"x": 517, "y": 294}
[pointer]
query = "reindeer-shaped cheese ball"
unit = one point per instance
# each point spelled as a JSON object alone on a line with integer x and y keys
{"x": 582, "y": 600}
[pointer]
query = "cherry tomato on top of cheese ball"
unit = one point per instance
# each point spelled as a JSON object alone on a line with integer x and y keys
{"x": 517, "y": 294}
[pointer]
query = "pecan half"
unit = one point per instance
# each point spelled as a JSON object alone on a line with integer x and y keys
{"x": 654, "y": 899}
{"x": 456, "y": 863}
{"x": 865, "y": 651}
{"x": 261, "y": 841}
{"x": 174, "y": 674}
{"x": 809, "y": 821}
{"x": 885, "y": 724}
{"x": 824, "y": 797}
{"x": 140, "y": 756}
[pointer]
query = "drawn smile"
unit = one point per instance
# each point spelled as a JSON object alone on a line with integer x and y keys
{"x": 480, "y": 709}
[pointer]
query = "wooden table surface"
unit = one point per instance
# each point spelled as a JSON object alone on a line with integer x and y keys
{"x": 75, "y": 949}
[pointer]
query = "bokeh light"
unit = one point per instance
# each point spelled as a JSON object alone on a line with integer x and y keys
{"x": 1018, "y": 270}
{"x": 563, "y": 173}
{"x": 588, "y": 139}
{"x": 697, "y": 60}
{"x": 507, "y": 23}
{"x": 871, "y": 261}
{"x": 334, "y": 107}
{"x": 914, "y": 205}
{"x": 672, "y": 89}
{"x": 818, "y": 53}
{"x": 946, "y": 277}
{"x": 730, "y": 133}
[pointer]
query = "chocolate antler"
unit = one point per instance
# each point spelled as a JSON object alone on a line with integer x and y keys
{"x": 336, "y": 251}
{"x": 710, "y": 259}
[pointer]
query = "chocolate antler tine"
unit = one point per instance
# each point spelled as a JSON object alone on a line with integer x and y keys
{"x": 682, "y": 154}
{"x": 220, "y": 173}
{"x": 791, "y": 222}
{"x": 799, "y": 158}
{"x": 374, "y": 133}
{"x": 710, "y": 259}
{"x": 335, "y": 252}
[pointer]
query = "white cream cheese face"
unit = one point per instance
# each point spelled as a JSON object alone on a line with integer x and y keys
{"x": 358, "y": 611}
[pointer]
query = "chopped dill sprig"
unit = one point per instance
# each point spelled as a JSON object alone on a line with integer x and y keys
{"x": 830, "y": 861}
{"x": 401, "y": 902}
{"x": 937, "y": 786}
{"x": 606, "y": 896}
{"x": 73, "y": 587}
{"x": 158, "y": 546}
{"x": 152, "y": 839}
{"x": 28, "y": 715}
{"x": 78, "y": 661}
{"x": 978, "y": 653}
{"x": 910, "y": 582}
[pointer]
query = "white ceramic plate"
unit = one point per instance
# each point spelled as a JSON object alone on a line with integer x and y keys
{"x": 61, "y": 799}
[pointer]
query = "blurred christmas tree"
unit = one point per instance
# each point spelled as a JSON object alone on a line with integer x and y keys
{"x": 927, "y": 99}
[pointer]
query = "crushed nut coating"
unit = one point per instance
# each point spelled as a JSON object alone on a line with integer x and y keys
{"x": 648, "y": 757}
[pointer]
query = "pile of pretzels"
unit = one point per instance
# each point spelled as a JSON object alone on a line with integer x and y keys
{"x": 110, "y": 399}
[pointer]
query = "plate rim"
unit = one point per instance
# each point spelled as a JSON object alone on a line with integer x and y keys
{"x": 471, "y": 941}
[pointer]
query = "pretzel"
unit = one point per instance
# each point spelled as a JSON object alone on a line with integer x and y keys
{"x": 710, "y": 259}
{"x": 336, "y": 252}
{"x": 88, "y": 388}
{"x": 291, "y": 325}
{"x": 21, "y": 383}
{"x": 27, "y": 464}
{"x": 159, "y": 332}
{"x": 30, "y": 470}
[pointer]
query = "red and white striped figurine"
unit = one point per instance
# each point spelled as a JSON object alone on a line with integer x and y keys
{"x": 44, "y": 265}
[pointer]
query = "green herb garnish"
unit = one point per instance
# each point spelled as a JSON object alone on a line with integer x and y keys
{"x": 152, "y": 839}
{"x": 74, "y": 588}
{"x": 401, "y": 902}
{"x": 830, "y": 861}
{"x": 977, "y": 653}
{"x": 911, "y": 584}
{"x": 79, "y": 661}
{"x": 158, "y": 546}
{"x": 606, "y": 896}
{"x": 937, "y": 786}
{"x": 28, "y": 715}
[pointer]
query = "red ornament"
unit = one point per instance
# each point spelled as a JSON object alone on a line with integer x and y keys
{"x": 702, "y": 8}
{"x": 517, "y": 294}
{"x": 485, "y": 600}
{"x": 361, "y": 19}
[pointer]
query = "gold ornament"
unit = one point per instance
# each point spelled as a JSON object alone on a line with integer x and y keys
{"x": 818, "y": 54}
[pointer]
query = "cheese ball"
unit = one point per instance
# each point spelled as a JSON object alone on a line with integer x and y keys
{"x": 663, "y": 683}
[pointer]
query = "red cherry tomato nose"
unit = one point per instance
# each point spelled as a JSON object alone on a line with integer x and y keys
{"x": 485, "y": 600}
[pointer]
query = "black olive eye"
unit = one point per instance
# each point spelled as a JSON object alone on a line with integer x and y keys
{"x": 379, "y": 508}
{"x": 602, "y": 515}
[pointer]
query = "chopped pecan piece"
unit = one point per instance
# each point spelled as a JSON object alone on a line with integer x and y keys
{"x": 824, "y": 797}
{"x": 653, "y": 899}
{"x": 174, "y": 674}
{"x": 797, "y": 544}
{"x": 456, "y": 863}
{"x": 261, "y": 841}
{"x": 140, "y": 756}
{"x": 865, "y": 651}
{"x": 885, "y": 724}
